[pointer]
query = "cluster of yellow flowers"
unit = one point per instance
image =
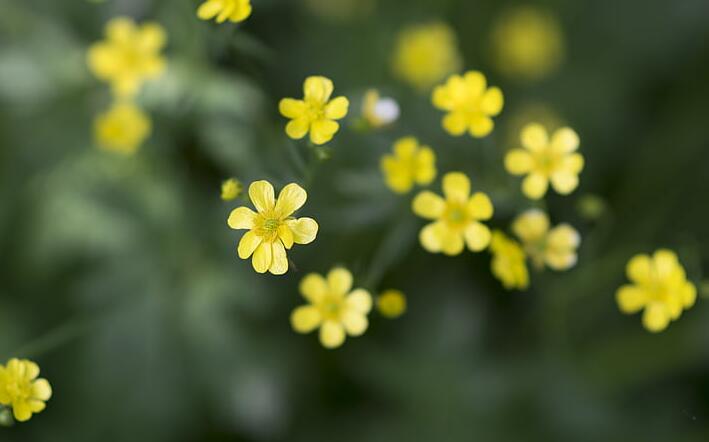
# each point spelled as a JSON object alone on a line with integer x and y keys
{"x": 21, "y": 390}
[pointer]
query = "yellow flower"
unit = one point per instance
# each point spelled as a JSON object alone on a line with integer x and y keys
{"x": 129, "y": 55}
{"x": 425, "y": 54}
{"x": 411, "y": 164}
{"x": 123, "y": 128}
{"x": 457, "y": 217}
{"x": 659, "y": 286}
{"x": 231, "y": 189}
{"x": 379, "y": 111}
{"x": 556, "y": 247}
{"x": 272, "y": 229}
{"x": 391, "y": 304}
{"x": 233, "y": 10}
{"x": 508, "y": 262}
{"x": 316, "y": 112}
{"x": 20, "y": 388}
{"x": 333, "y": 306}
{"x": 544, "y": 160}
{"x": 469, "y": 103}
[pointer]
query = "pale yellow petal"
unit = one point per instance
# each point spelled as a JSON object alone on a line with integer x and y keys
{"x": 304, "y": 230}
{"x": 656, "y": 318}
{"x": 492, "y": 101}
{"x": 564, "y": 182}
{"x": 322, "y": 131}
{"x": 560, "y": 259}
{"x": 534, "y": 137}
{"x": 480, "y": 207}
{"x": 572, "y": 163}
{"x": 31, "y": 370}
{"x": 209, "y": 9}
{"x": 298, "y": 128}
{"x": 431, "y": 237}
{"x": 531, "y": 226}
{"x": 477, "y": 236}
{"x": 455, "y": 123}
{"x": 563, "y": 237}
{"x": 285, "y": 234}
{"x": 318, "y": 89}
{"x": 152, "y": 37}
{"x": 451, "y": 242}
{"x": 292, "y": 108}
{"x": 428, "y": 205}
{"x": 35, "y": 405}
{"x": 339, "y": 280}
{"x": 41, "y": 390}
{"x": 565, "y": 140}
{"x": 21, "y": 410}
{"x": 631, "y": 299}
{"x": 337, "y": 108}
{"x": 666, "y": 263}
{"x": 332, "y": 334}
{"x": 279, "y": 262}
{"x": 305, "y": 319}
{"x": 263, "y": 257}
{"x": 313, "y": 287}
{"x": 355, "y": 323}
{"x": 291, "y": 198}
{"x": 249, "y": 242}
{"x": 262, "y": 195}
{"x": 688, "y": 295}
{"x": 425, "y": 171}
{"x": 456, "y": 186}
{"x": 639, "y": 269}
{"x": 518, "y": 162}
{"x": 475, "y": 83}
{"x": 360, "y": 301}
{"x": 242, "y": 12}
{"x": 241, "y": 218}
{"x": 481, "y": 126}
{"x": 535, "y": 186}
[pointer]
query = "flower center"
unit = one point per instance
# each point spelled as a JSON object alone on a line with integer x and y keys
{"x": 547, "y": 161}
{"x": 456, "y": 216}
{"x": 331, "y": 307}
{"x": 315, "y": 111}
{"x": 267, "y": 228}
{"x": 18, "y": 390}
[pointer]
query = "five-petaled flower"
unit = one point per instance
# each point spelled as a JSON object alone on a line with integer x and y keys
{"x": 556, "y": 247}
{"x": 315, "y": 113}
{"x": 508, "y": 262}
{"x": 456, "y": 218}
{"x": 410, "y": 164}
{"x": 20, "y": 388}
{"x": 272, "y": 229}
{"x": 333, "y": 306}
{"x": 122, "y": 129}
{"x": 222, "y": 10}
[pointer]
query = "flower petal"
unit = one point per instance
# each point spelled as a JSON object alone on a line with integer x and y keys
{"x": 475, "y": 83}
{"x": 317, "y": 89}
{"x": 455, "y": 123}
{"x": 492, "y": 102}
{"x": 565, "y": 140}
{"x": 263, "y": 257}
{"x": 285, "y": 234}
{"x": 241, "y": 218}
{"x": 279, "y": 262}
{"x": 355, "y": 323}
{"x": 313, "y": 287}
{"x": 292, "y": 108}
{"x": 564, "y": 182}
{"x": 431, "y": 237}
{"x": 480, "y": 207}
{"x": 531, "y": 226}
{"x": 249, "y": 242}
{"x": 518, "y": 162}
{"x": 630, "y": 298}
{"x": 360, "y": 301}
{"x": 322, "y": 131}
{"x": 534, "y": 137}
{"x": 428, "y": 205}
{"x": 262, "y": 195}
{"x": 296, "y": 129}
{"x": 572, "y": 163}
{"x": 305, "y": 319}
{"x": 563, "y": 237}
{"x": 21, "y": 410}
{"x": 656, "y": 318}
{"x": 639, "y": 269}
{"x": 304, "y": 230}
{"x": 41, "y": 390}
{"x": 332, "y": 334}
{"x": 477, "y": 236}
{"x": 425, "y": 171}
{"x": 451, "y": 242}
{"x": 456, "y": 186}
{"x": 337, "y": 108}
{"x": 481, "y": 126}
{"x": 560, "y": 259}
{"x": 339, "y": 280}
{"x": 535, "y": 186}
{"x": 291, "y": 198}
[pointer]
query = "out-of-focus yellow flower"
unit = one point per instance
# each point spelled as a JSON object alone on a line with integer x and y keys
{"x": 20, "y": 388}
{"x": 122, "y": 129}
{"x": 556, "y": 247}
{"x": 527, "y": 43}
{"x": 391, "y": 304}
{"x": 508, "y": 262}
{"x": 233, "y": 10}
{"x": 272, "y": 229}
{"x": 544, "y": 159}
{"x": 129, "y": 55}
{"x": 333, "y": 306}
{"x": 659, "y": 286}
{"x": 426, "y": 54}
{"x": 379, "y": 111}
{"x": 316, "y": 112}
{"x": 469, "y": 103}
{"x": 410, "y": 164}
{"x": 231, "y": 189}
{"x": 456, "y": 218}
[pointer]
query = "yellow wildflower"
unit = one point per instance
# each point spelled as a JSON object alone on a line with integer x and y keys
{"x": 129, "y": 55}
{"x": 20, "y": 388}
{"x": 425, "y": 54}
{"x": 544, "y": 160}
{"x": 659, "y": 286}
{"x": 123, "y": 128}
{"x": 457, "y": 217}
{"x": 233, "y": 10}
{"x": 316, "y": 112}
{"x": 556, "y": 247}
{"x": 469, "y": 103}
{"x": 272, "y": 229}
{"x": 379, "y": 111}
{"x": 508, "y": 262}
{"x": 391, "y": 304}
{"x": 333, "y": 306}
{"x": 231, "y": 189}
{"x": 410, "y": 164}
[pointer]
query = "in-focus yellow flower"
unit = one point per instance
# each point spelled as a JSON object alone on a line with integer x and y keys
{"x": 233, "y": 10}
{"x": 316, "y": 112}
{"x": 231, "y": 189}
{"x": 425, "y": 54}
{"x": 659, "y": 286}
{"x": 544, "y": 160}
{"x": 333, "y": 306}
{"x": 456, "y": 218}
{"x": 556, "y": 247}
{"x": 379, "y": 111}
{"x": 129, "y": 56}
{"x": 272, "y": 229}
{"x": 469, "y": 103}
{"x": 391, "y": 304}
{"x": 508, "y": 262}
{"x": 20, "y": 388}
{"x": 122, "y": 129}
{"x": 410, "y": 164}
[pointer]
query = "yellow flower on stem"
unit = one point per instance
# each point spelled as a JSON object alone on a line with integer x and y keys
{"x": 379, "y": 111}
{"x": 659, "y": 286}
{"x": 222, "y": 10}
{"x": 508, "y": 262}
{"x": 456, "y": 218}
{"x": 555, "y": 248}
{"x": 316, "y": 113}
{"x": 333, "y": 306}
{"x": 410, "y": 164}
{"x": 122, "y": 129}
{"x": 391, "y": 304}
{"x": 20, "y": 388}
{"x": 544, "y": 159}
{"x": 231, "y": 189}
{"x": 470, "y": 104}
{"x": 272, "y": 229}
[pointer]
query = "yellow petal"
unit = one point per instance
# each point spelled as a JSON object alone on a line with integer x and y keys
{"x": 35, "y": 405}
{"x": 242, "y": 12}
{"x": 292, "y": 108}
{"x": 534, "y": 137}
{"x": 355, "y": 323}
{"x": 425, "y": 171}
{"x": 305, "y": 319}
{"x": 564, "y": 182}
{"x": 428, "y": 205}
{"x": 689, "y": 295}
{"x": 120, "y": 29}
{"x": 477, "y": 236}
{"x": 639, "y": 269}
{"x": 262, "y": 195}
{"x": 317, "y": 89}
{"x": 337, "y": 108}
{"x": 279, "y": 262}
{"x": 492, "y": 102}
{"x": 21, "y": 410}
{"x": 563, "y": 237}
{"x": 322, "y": 131}
{"x": 431, "y": 237}
{"x": 332, "y": 334}
{"x": 31, "y": 370}
{"x": 285, "y": 234}
{"x": 656, "y": 317}
{"x": 451, "y": 242}
{"x": 518, "y": 162}
{"x": 397, "y": 176}
{"x": 560, "y": 259}
{"x": 475, "y": 83}
{"x": 631, "y": 299}
{"x": 455, "y": 123}
{"x": 572, "y": 163}
{"x": 360, "y": 301}
{"x": 296, "y": 129}
{"x": 152, "y": 37}
{"x": 249, "y": 242}
{"x": 405, "y": 148}
{"x": 313, "y": 287}
{"x": 535, "y": 185}
{"x": 304, "y": 230}
{"x": 442, "y": 98}
{"x": 531, "y": 226}
{"x": 263, "y": 257}
{"x": 291, "y": 198}
{"x": 565, "y": 140}
{"x": 481, "y": 126}
{"x": 339, "y": 280}
{"x": 666, "y": 263}
{"x": 480, "y": 207}
{"x": 456, "y": 186}
{"x": 41, "y": 390}
{"x": 209, "y": 9}
{"x": 241, "y": 218}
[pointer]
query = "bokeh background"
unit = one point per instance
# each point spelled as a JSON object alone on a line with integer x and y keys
{"x": 119, "y": 276}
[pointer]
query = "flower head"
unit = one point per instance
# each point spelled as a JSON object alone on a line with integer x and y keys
{"x": 544, "y": 159}
{"x": 556, "y": 247}
{"x": 508, "y": 262}
{"x": 272, "y": 229}
{"x": 659, "y": 286}
{"x": 470, "y": 104}
{"x": 315, "y": 113}
{"x": 231, "y": 189}
{"x": 410, "y": 164}
{"x": 456, "y": 217}
{"x": 123, "y": 128}
{"x": 233, "y": 10}
{"x": 20, "y": 388}
{"x": 333, "y": 306}
{"x": 391, "y": 304}
{"x": 379, "y": 111}
{"x": 129, "y": 55}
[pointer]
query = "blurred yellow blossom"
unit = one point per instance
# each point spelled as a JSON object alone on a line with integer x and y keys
{"x": 129, "y": 56}
{"x": 21, "y": 390}
{"x": 391, "y": 304}
{"x": 316, "y": 112}
{"x": 556, "y": 247}
{"x": 456, "y": 218}
{"x": 333, "y": 306}
{"x": 469, "y": 104}
{"x": 272, "y": 229}
{"x": 659, "y": 286}
{"x": 231, "y": 189}
{"x": 544, "y": 159}
{"x": 426, "y": 54}
{"x": 508, "y": 262}
{"x": 222, "y": 10}
{"x": 410, "y": 164}
{"x": 122, "y": 129}
{"x": 379, "y": 111}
